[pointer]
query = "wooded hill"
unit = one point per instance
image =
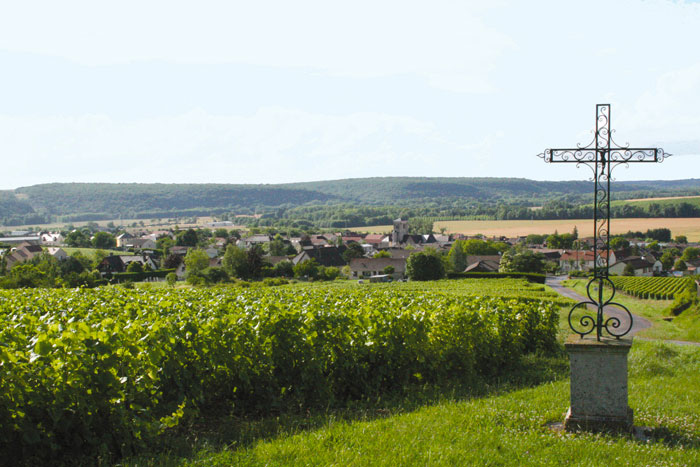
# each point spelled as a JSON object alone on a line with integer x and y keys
{"x": 69, "y": 202}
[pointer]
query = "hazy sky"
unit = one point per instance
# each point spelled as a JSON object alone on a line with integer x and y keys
{"x": 270, "y": 92}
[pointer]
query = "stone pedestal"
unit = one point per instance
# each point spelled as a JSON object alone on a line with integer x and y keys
{"x": 598, "y": 384}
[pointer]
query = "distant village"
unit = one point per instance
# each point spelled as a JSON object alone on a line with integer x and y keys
{"x": 371, "y": 257}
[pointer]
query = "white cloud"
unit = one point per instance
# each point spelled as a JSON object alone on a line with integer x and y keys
{"x": 273, "y": 145}
{"x": 445, "y": 42}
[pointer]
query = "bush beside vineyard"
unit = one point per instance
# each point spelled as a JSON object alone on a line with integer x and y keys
{"x": 106, "y": 370}
{"x": 656, "y": 288}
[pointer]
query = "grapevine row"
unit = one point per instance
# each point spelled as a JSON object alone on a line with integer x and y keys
{"x": 658, "y": 288}
{"x": 107, "y": 369}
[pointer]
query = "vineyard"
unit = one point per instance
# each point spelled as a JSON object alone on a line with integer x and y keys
{"x": 656, "y": 288}
{"x": 106, "y": 370}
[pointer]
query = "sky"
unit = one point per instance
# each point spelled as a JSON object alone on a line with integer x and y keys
{"x": 278, "y": 92}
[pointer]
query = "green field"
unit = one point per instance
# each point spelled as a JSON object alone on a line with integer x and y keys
{"x": 90, "y": 252}
{"x": 675, "y": 200}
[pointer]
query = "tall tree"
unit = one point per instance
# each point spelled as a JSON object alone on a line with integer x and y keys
{"x": 104, "y": 240}
{"x": 457, "y": 258}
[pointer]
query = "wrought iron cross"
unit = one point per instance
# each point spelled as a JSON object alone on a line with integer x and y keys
{"x": 601, "y": 156}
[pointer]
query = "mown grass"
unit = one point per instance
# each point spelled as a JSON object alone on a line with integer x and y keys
{"x": 685, "y": 327}
{"x": 506, "y": 426}
{"x": 90, "y": 252}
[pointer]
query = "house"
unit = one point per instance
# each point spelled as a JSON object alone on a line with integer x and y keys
{"x": 326, "y": 256}
{"x": 484, "y": 265}
{"x": 51, "y": 238}
{"x": 221, "y": 224}
{"x": 16, "y": 240}
{"x": 377, "y": 241}
{"x": 352, "y": 238}
{"x": 368, "y": 267}
{"x": 57, "y": 253}
{"x": 212, "y": 252}
{"x": 577, "y": 260}
{"x": 401, "y": 253}
{"x": 643, "y": 266}
{"x": 111, "y": 264}
{"x": 471, "y": 259}
{"x": 22, "y": 253}
{"x": 442, "y": 239}
{"x": 248, "y": 242}
{"x": 123, "y": 238}
{"x": 179, "y": 250}
{"x": 119, "y": 263}
{"x": 140, "y": 244}
{"x": 692, "y": 267}
{"x": 144, "y": 260}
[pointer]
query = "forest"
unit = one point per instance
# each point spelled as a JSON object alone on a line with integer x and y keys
{"x": 339, "y": 203}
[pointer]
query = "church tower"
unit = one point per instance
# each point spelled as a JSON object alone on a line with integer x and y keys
{"x": 400, "y": 231}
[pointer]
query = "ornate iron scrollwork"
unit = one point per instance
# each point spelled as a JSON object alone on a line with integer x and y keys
{"x": 602, "y": 155}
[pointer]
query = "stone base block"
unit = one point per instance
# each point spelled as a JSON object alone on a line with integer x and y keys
{"x": 598, "y": 423}
{"x": 598, "y": 385}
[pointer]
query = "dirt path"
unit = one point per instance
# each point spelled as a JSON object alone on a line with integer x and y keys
{"x": 639, "y": 323}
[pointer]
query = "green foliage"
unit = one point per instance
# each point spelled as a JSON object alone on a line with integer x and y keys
{"x": 619, "y": 243}
{"x": 171, "y": 279}
{"x": 389, "y": 270}
{"x": 382, "y": 254}
{"x": 535, "y": 239}
{"x": 278, "y": 247}
{"x": 457, "y": 259}
{"x": 691, "y": 253}
{"x": 667, "y": 259}
{"x": 235, "y": 262}
{"x": 560, "y": 241}
{"x": 354, "y": 250}
{"x": 116, "y": 367}
{"x": 104, "y": 240}
{"x": 629, "y": 270}
{"x": 681, "y": 239}
{"x": 425, "y": 266}
{"x": 420, "y": 226}
{"x": 283, "y": 269}
{"x": 522, "y": 260}
{"x": 196, "y": 261}
{"x": 187, "y": 238}
{"x": 78, "y": 238}
{"x": 683, "y": 300}
{"x": 680, "y": 265}
{"x": 308, "y": 269}
{"x": 475, "y": 246}
{"x": 134, "y": 266}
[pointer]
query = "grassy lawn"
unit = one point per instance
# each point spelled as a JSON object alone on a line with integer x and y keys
{"x": 680, "y": 328}
{"x": 90, "y": 252}
{"x": 507, "y": 426}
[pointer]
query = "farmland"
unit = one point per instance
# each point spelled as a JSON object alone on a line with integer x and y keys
{"x": 690, "y": 227}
